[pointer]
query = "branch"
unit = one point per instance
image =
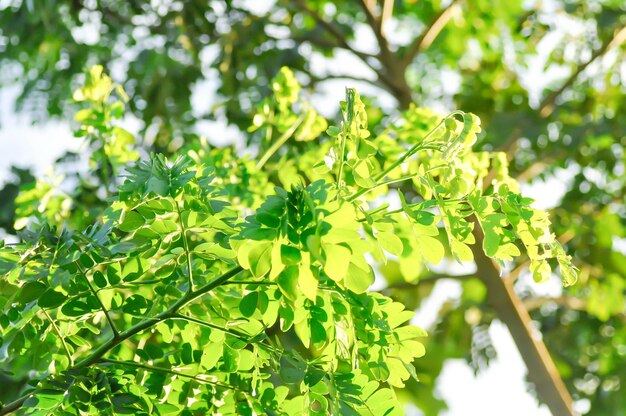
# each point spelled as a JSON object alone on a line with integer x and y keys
{"x": 164, "y": 370}
{"x": 187, "y": 252}
{"x": 386, "y": 15}
{"x": 392, "y": 75}
{"x": 250, "y": 282}
{"x": 56, "y": 329}
{"x": 431, "y": 278}
{"x": 104, "y": 309}
{"x": 565, "y": 300}
{"x": 547, "y": 104}
{"x": 280, "y": 141}
{"x": 96, "y": 356}
{"x": 376, "y": 23}
{"x": 335, "y": 32}
{"x": 200, "y": 322}
{"x": 149, "y": 322}
{"x": 14, "y": 405}
{"x": 542, "y": 371}
{"x": 429, "y": 34}
{"x": 323, "y": 43}
{"x": 329, "y": 77}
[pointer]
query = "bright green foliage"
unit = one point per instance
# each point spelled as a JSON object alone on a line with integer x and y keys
{"x": 197, "y": 294}
{"x": 112, "y": 146}
{"x": 480, "y": 56}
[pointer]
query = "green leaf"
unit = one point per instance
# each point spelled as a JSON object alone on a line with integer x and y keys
{"x": 461, "y": 251}
{"x": 99, "y": 279}
{"x": 248, "y": 304}
{"x": 51, "y": 299}
{"x": 288, "y": 282}
{"x": 31, "y": 291}
{"x": 307, "y": 282}
{"x": 390, "y": 242}
{"x": 211, "y": 354}
{"x": 290, "y": 255}
{"x": 431, "y": 248}
{"x": 291, "y": 370}
{"x": 132, "y": 220}
{"x": 337, "y": 261}
{"x": 76, "y": 308}
{"x": 541, "y": 270}
{"x": 214, "y": 250}
{"x": 260, "y": 258}
{"x": 357, "y": 279}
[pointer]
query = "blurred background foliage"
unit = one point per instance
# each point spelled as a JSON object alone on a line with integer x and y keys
{"x": 545, "y": 76}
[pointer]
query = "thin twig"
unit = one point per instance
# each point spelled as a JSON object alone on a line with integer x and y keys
{"x": 414, "y": 149}
{"x": 99, "y": 352}
{"x": 279, "y": 142}
{"x": 333, "y": 30}
{"x": 164, "y": 370}
{"x": 187, "y": 253}
{"x": 570, "y": 302}
{"x": 104, "y": 309}
{"x": 250, "y": 282}
{"x": 547, "y": 104}
{"x": 56, "y": 329}
{"x": 236, "y": 334}
{"x": 343, "y": 43}
{"x": 428, "y": 36}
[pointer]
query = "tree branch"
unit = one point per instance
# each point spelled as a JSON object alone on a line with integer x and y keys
{"x": 431, "y": 278}
{"x": 547, "y": 104}
{"x": 200, "y": 322}
{"x": 14, "y": 405}
{"x": 323, "y": 43}
{"x": 375, "y": 23}
{"x": 95, "y": 293}
{"x": 385, "y": 78}
{"x": 149, "y": 322}
{"x": 164, "y": 370}
{"x": 98, "y": 353}
{"x": 56, "y": 329}
{"x": 329, "y": 77}
{"x": 541, "y": 369}
{"x": 335, "y": 32}
{"x": 187, "y": 252}
{"x": 386, "y": 15}
{"x": 568, "y": 301}
{"x": 429, "y": 34}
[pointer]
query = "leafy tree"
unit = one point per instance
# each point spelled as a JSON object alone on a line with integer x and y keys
{"x": 172, "y": 303}
{"x": 569, "y": 123}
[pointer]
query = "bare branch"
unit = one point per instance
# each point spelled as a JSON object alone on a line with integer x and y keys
{"x": 386, "y": 15}
{"x": 501, "y": 295}
{"x": 547, "y": 104}
{"x": 323, "y": 43}
{"x": 334, "y": 31}
{"x": 429, "y": 34}
{"x": 432, "y": 278}
{"x": 342, "y": 42}
{"x": 375, "y": 23}
{"x": 570, "y": 302}
{"x": 329, "y": 77}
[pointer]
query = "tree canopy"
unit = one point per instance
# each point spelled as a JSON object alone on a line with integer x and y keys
{"x": 545, "y": 78}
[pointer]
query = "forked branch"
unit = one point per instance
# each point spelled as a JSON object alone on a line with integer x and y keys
{"x": 547, "y": 104}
